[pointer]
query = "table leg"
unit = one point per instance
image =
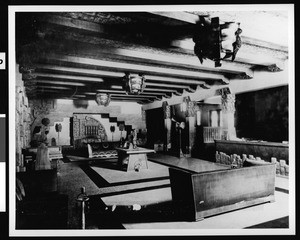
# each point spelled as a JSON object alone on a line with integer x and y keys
{"x": 137, "y": 162}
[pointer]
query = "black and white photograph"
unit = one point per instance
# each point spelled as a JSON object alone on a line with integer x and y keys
{"x": 151, "y": 120}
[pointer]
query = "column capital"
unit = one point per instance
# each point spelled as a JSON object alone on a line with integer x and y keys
{"x": 228, "y": 102}
{"x": 167, "y": 110}
{"x": 191, "y": 109}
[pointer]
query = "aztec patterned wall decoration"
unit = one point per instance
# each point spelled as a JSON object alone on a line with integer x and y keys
{"x": 87, "y": 129}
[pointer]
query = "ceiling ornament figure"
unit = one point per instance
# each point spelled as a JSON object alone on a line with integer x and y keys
{"x": 216, "y": 41}
{"x": 134, "y": 84}
{"x": 103, "y": 99}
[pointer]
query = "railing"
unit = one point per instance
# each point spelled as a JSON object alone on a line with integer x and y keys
{"x": 212, "y": 133}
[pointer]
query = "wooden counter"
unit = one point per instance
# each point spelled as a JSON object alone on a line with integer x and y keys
{"x": 198, "y": 195}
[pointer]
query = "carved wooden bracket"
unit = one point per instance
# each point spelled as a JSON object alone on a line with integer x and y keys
{"x": 26, "y": 69}
{"x": 223, "y": 91}
{"x": 167, "y": 95}
{"x": 243, "y": 76}
{"x": 177, "y": 93}
{"x": 29, "y": 76}
{"x": 191, "y": 110}
{"x": 270, "y": 68}
{"x": 273, "y": 68}
{"x": 205, "y": 86}
{"x": 228, "y": 103}
{"x": 191, "y": 89}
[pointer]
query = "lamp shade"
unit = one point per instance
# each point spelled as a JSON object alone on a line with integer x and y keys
{"x": 112, "y": 128}
{"x": 121, "y": 127}
{"x": 45, "y": 121}
{"x": 102, "y": 99}
{"x": 134, "y": 84}
{"x": 58, "y": 127}
{"x": 216, "y": 41}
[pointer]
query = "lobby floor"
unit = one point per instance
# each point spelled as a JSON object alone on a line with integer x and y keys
{"x": 142, "y": 200}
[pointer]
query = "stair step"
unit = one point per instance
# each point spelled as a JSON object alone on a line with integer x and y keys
{"x": 104, "y": 115}
{"x": 120, "y": 122}
{"x": 113, "y": 119}
{"x": 128, "y": 128}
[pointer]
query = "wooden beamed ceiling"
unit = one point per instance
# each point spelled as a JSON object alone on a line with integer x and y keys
{"x": 76, "y": 55}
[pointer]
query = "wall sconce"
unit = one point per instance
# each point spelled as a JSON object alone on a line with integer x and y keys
{"x": 112, "y": 130}
{"x": 134, "y": 84}
{"x": 103, "y": 99}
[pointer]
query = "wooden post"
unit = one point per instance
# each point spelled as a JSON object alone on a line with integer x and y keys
{"x": 191, "y": 125}
{"x": 167, "y": 123}
{"x": 228, "y": 108}
{"x": 82, "y": 197}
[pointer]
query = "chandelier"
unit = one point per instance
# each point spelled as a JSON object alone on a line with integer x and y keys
{"x": 134, "y": 84}
{"x": 217, "y": 41}
{"x": 103, "y": 99}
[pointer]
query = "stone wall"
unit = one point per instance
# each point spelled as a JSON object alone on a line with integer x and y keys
{"x": 23, "y": 120}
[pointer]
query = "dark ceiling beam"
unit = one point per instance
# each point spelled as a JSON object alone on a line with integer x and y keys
{"x": 75, "y": 97}
{"x": 56, "y": 87}
{"x": 186, "y": 44}
{"x": 193, "y": 19}
{"x": 39, "y": 84}
{"x": 133, "y": 96}
{"x": 107, "y": 88}
{"x": 167, "y": 85}
{"x": 173, "y": 80}
{"x": 71, "y": 23}
{"x": 131, "y": 31}
{"x": 77, "y": 70}
{"x": 159, "y": 90}
{"x": 191, "y": 62}
{"x": 45, "y": 68}
{"x": 136, "y": 68}
{"x": 57, "y": 82}
{"x": 251, "y": 55}
{"x": 65, "y": 77}
{"x": 70, "y": 92}
{"x": 87, "y": 48}
{"x": 178, "y": 15}
{"x": 149, "y": 57}
{"x": 123, "y": 92}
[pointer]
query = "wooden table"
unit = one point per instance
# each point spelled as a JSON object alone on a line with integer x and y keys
{"x": 133, "y": 159}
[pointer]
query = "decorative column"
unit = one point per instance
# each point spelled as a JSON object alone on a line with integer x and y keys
{"x": 167, "y": 123}
{"x": 190, "y": 121}
{"x": 228, "y": 110}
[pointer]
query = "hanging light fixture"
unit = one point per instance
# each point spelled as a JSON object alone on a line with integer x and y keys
{"x": 103, "y": 99}
{"x": 216, "y": 41}
{"x": 134, "y": 84}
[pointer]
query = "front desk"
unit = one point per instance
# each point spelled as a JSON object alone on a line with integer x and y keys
{"x": 219, "y": 189}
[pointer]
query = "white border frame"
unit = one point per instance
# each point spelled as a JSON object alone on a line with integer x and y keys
{"x": 3, "y": 180}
